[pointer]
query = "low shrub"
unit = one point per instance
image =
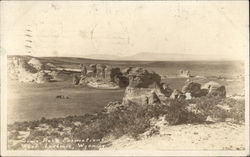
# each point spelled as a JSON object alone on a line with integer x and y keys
{"x": 133, "y": 120}
{"x": 237, "y": 111}
{"x": 209, "y": 107}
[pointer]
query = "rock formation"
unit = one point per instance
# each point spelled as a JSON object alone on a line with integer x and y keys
{"x": 126, "y": 70}
{"x": 27, "y": 71}
{"x": 100, "y": 71}
{"x": 36, "y": 64}
{"x": 185, "y": 73}
{"x": 142, "y": 78}
{"x": 137, "y": 96}
{"x": 76, "y": 79}
{"x": 92, "y": 70}
{"x": 103, "y": 76}
{"x": 177, "y": 95}
{"x": 211, "y": 88}
{"x": 193, "y": 88}
{"x": 143, "y": 87}
{"x": 215, "y": 89}
{"x": 121, "y": 81}
{"x": 83, "y": 70}
{"x": 166, "y": 90}
{"x": 111, "y": 73}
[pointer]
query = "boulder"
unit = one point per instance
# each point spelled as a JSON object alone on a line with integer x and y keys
{"x": 144, "y": 87}
{"x": 194, "y": 89}
{"x": 142, "y": 96}
{"x": 83, "y": 70}
{"x": 141, "y": 78}
{"x": 215, "y": 89}
{"x": 100, "y": 71}
{"x": 203, "y": 92}
{"x": 166, "y": 90}
{"x": 107, "y": 71}
{"x": 177, "y": 95}
{"x": 121, "y": 81}
{"x": 111, "y": 73}
{"x": 126, "y": 70}
{"x": 36, "y": 64}
{"x": 210, "y": 84}
{"x": 76, "y": 79}
{"x": 94, "y": 82}
{"x": 139, "y": 96}
{"x": 92, "y": 68}
{"x": 191, "y": 87}
{"x": 185, "y": 73}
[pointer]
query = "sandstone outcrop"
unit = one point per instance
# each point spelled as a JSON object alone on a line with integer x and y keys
{"x": 36, "y": 64}
{"x": 76, "y": 79}
{"x": 185, "y": 73}
{"x": 83, "y": 70}
{"x": 27, "y": 71}
{"x": 100, "y": 71}
{"x": 143, "y": 87}
{"x": 166, "y": 90}
{"x": 142, "y": 78}
{"x": 194, "y": 89}
{"x": 177, "y": 95}
{"x": 215, "y": 89}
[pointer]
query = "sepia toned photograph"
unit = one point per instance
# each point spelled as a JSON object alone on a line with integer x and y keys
{"x": 137, "y": 77}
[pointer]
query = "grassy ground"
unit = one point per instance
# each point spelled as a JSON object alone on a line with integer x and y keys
{"x": 177, "y": 120}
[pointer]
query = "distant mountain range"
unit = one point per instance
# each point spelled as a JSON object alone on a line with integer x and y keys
{"x": 147, "y": 56}
{"x": 102, "y": 56}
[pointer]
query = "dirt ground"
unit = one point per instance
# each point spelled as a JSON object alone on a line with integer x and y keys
{"x": 217, "y": 136}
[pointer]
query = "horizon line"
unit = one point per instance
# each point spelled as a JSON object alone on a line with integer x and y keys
{"x": 138, "y": 60}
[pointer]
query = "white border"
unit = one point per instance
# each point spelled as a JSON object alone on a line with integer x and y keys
{"x": 5, "y": 152}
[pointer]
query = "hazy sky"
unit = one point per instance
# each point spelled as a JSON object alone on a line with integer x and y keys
{"x": 80, "y": 28}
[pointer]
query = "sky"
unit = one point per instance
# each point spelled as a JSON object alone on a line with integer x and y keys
{"x": 83, "y": 28}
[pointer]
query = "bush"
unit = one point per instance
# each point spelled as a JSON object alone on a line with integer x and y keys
{"x": 237, "y": 111}
{"x": 133, "y": 120}
{"x": 209, "y": 107}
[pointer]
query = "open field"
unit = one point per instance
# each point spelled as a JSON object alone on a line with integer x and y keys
{"x": 30, "y": 101}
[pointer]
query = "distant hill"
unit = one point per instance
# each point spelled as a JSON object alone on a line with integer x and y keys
{"x": 103, "y": 56}
{"x": 149, "y": 56}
